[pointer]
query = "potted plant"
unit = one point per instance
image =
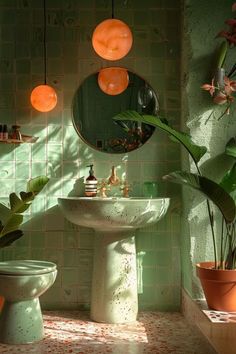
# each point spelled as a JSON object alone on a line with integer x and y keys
{"x": 219, "y": 194}
{"x": 11, "y": 217}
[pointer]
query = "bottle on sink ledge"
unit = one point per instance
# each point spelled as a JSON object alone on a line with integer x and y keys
{"x": 91, "y": 183}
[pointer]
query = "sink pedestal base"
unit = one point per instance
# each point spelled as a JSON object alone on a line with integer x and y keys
{"x": 114, "y": 284}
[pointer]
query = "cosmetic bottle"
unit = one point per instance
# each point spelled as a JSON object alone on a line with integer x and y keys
{"x": 15, "y": 132}
{"x": 91, "y": 183}
{"x": 5, "y": 132}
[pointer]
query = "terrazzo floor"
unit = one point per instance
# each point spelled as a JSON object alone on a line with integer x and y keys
{"x": 153, "y": 333}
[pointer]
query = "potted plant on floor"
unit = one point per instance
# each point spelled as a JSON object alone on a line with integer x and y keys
{"x": 220, "y": 273}
{"x": 11, "y": 217}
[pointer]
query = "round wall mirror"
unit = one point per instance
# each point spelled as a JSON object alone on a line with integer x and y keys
{"x": 93, "y": 111}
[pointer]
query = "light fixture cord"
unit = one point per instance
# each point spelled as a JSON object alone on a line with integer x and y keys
{"x": 44, "y": 42}
{"x": 112, "y": 8}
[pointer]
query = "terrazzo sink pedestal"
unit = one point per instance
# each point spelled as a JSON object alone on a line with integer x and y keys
{"x": 114, "y": 283}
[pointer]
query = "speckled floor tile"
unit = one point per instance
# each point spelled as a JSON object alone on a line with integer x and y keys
{"x": 153, "y": 333}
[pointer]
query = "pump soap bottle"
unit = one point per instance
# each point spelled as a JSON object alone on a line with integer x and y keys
{"x": 91, "y": 184}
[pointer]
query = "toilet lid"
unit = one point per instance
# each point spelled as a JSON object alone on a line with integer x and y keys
{"x": 26, "y": 267}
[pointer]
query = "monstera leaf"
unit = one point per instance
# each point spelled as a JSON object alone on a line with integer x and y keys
{"x": 194, "y": 150}
{"x": 210, "y": 189}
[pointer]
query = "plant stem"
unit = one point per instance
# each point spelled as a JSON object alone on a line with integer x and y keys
{"x": 221, "y": 241}
{"x": 211, "y": 218}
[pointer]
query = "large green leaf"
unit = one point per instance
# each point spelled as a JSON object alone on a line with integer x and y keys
{"x": 194, "y": 150}
{"x": 17, "y": 205}
{"x": 210, "y": 189}
{"x": 228, "y": 182}
{"x": 11, "y": 219}
{"x": 5, "y": 213}
{"x": 231, "y": 147}
{"x": 35, "y": 185}
{"x": 10, "y": 237}
{"x": 12, "y": 224}
{"x": 27, "y": 197}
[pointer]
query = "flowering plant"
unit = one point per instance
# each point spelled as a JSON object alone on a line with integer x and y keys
{"x": 222, "y": 87}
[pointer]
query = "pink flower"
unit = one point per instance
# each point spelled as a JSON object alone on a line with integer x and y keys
{"x": 210, "y": 88}
{"x": 231, "y": 38}
{"x": 230, "y": 85}
{"x": 222, "y": 98}
{"x": 231, "y": 22}
{"x": 234, "y": 6}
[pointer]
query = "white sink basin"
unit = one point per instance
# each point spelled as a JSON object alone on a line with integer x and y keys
{"x": 114, "y": 296}
{"x": 113, "y": 213}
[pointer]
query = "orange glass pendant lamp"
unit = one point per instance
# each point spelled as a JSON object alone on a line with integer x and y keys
{"x": 112, "y": 39}
{"x": 113, "y": 80}
{"x": 43, "y": 97}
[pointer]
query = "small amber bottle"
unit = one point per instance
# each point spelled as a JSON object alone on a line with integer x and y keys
{"x": 5, "y": 132}
{"x": 91, "y": 183}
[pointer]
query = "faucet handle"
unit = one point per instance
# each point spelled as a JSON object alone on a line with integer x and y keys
{"x": 126, "y": 189}
{"x": 103, "y": 186}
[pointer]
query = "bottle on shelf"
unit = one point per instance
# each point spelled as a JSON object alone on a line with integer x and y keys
{"x": 4, "y": 132}
{"x": 15, "y": 132}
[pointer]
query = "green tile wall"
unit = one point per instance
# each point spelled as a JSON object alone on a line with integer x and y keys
{"x": 61, "y": 154}
{"x": 202, "y": 21}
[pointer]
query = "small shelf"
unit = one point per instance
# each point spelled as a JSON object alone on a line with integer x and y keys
{"x": 25, "y": 139}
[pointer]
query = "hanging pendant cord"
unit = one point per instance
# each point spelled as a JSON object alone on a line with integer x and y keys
{"x": 112, "y": 8}
{"x": 44, "y": 42}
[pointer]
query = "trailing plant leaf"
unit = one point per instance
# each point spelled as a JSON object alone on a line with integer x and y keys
{"x": 194, "y": 150}
{"x": 10, "y": 237}
{"x": 4, "y": 213}
{"x": 26, "y": 197}
{"x": 231, "y": 147}
{"x": 35, "y": 185}
{"x": 210, "y": 189}
{"x": 12, "y": 224}
{"x": 12, "y": 218}
{"x": 17, "y": 205}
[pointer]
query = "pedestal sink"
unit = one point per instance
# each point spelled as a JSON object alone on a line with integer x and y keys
{"x": 114, "y": 282}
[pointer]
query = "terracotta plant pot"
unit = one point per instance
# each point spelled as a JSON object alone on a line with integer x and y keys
{"x": 219, "y": 286}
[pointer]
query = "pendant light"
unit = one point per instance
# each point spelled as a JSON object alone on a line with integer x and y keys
{"x": 113, "y": 80}
{"x": 112, "y": 39}
{"x": 43, "y": 97}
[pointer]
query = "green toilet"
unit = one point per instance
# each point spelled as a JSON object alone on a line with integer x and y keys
{"x": 21, "y": 284}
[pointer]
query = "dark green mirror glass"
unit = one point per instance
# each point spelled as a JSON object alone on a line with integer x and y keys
{"x": 93, "y": 111}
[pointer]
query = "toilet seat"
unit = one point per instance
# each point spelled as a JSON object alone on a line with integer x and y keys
{"x": 26, "y": 267}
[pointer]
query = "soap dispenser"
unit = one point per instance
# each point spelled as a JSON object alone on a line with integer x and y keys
{"x": 91, "y": 183}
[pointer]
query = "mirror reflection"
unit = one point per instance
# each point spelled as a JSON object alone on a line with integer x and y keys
{"x": 93, "y": 111}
